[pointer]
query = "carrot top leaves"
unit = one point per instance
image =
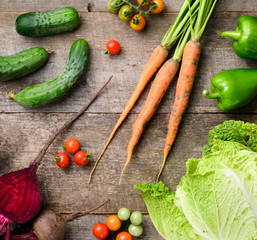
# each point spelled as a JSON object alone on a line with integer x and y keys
{"x": 180, "y": 25}
{"x": 205, "y": 10}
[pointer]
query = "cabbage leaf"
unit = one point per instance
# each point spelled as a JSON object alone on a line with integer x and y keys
{"x": 216, "y": 200}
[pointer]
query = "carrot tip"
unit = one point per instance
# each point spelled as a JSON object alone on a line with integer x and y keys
{"x": 126, "y": 164}
{"x": 163, "y": 164}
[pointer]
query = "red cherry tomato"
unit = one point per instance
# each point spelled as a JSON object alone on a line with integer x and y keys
{"x": 71, "y": 145}
{"x": 100, "y": 231}
{"x": 113, "y": 47}
{"x": 82, "y": 158}
{"x": 145, "y": 2}
{"x": 113, "y": 223}
{"x": 124, "y": 236}
{"x": 62, "y": 160}
{"x": 159, "y": 6}
{"x": 137, "y": 23}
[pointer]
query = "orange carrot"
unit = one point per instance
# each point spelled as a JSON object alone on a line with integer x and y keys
{"x": 156, "y": 60}
{"x": 185, "y": 82}
{"x": 157, "y": 91}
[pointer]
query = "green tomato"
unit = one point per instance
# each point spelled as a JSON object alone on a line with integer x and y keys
{"x": 134, "y": 230}
{"x": 124, "y": 214}
{"x": 126, "y": 13}
{"x": 136, "y": 218}
{"x": 114, "y": 5}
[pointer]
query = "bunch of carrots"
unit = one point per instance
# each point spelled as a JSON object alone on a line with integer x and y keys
{"x": 185, "y": 33}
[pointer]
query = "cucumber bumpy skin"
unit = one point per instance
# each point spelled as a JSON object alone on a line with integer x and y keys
{"x": 52, "y": 90}
{"x": 22, "y": 63}
{"x": 34, "y": 24}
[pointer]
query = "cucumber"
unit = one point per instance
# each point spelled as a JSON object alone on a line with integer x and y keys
{"x": 52, "y": 90}
{"x": 22, "y": 63}
{"x": 34, "y": 24}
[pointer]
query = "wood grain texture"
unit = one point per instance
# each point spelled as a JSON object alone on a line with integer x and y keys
{"x": 24, "y": 131}
{"x": 101, "y": 5}
{"x": 22, "y": 136}
{"x": 217, "y": 55}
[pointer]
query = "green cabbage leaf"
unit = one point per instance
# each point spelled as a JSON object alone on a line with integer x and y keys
{"x": 216, "y": 200}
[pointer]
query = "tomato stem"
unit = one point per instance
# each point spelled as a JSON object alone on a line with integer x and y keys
{"x": 138, "y": 7}
{"x": 57, "y": 159}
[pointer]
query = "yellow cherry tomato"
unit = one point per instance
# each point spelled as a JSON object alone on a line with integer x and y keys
{"x": 159, "y": 6}
{"x": 126, "y": 13}
{"x": 137, "y": 23}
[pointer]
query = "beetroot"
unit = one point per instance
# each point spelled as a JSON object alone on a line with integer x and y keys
{"x": 20, "y": 196}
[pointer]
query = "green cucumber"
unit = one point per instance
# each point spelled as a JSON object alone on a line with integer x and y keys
{"x": 52, "y": 90}
{"x": 34, "y": 24}
{"x": 22, "y": 63}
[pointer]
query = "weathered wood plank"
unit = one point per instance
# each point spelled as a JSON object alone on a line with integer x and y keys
{"x": 217, "y": 55}
{"x": 81, "y": 229}
{"x": 101, "y": 5}
{"x": 22, "y": 136}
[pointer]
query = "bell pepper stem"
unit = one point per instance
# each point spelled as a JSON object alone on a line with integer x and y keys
{"x": 211, "y": 95}
{"x": 231, "y": 34}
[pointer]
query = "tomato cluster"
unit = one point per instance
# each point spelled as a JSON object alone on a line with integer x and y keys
{"x": 114, "y": 224}
{"x": 125, "y": 10}
{"x": 72, "y": 146}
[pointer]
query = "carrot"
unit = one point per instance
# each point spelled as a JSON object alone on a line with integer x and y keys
{"x": 160, "y": 85}
{"x": 156, "y": 60}
{"x": 175, "y": 33}
{"x": 187, "y": 74}
{"x": 185, "y": 82}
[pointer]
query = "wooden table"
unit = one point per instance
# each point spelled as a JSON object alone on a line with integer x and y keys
{"x": 23, "y": 131}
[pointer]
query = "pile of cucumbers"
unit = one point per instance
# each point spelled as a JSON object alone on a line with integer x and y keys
{"x": 25, "y": 62}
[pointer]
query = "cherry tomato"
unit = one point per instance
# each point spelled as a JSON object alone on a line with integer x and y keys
{"x": 113, "y": 223}
{"x": 159, "y": 6}
{"x": 114, "y": 5}
{"x": 136, "y": 218}
{"x": 62, "y": 160}
{"x": 82, "y": 158}
{"x": 123, "y": 214}
{"x": 113, "y": 47}
{"x": 126, "y": 13}
{"x": 100, "y": 231}
{"x": 71, "y": 145}
{"x": 124, "y": 236}
{"x": 137, "y": 23}
{"x": 145, "y": 2}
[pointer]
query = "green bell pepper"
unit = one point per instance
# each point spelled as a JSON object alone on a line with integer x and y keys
{"x": 233, "y": 88}
{"x": 245, "y": 37}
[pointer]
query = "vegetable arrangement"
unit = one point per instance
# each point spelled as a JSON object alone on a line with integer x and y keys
{"x": 22, "y": 63}
{"x": 235, "y": 88}
{"x": 125, "y": 10}
{"x": 20, "y": 193}
{"x": 216, "y": 199}
{"x": 47, "y": 92}
{"x": 72, "y": 146}
{"x": 119, "y": 223}
{"x": 187, "y": 31}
